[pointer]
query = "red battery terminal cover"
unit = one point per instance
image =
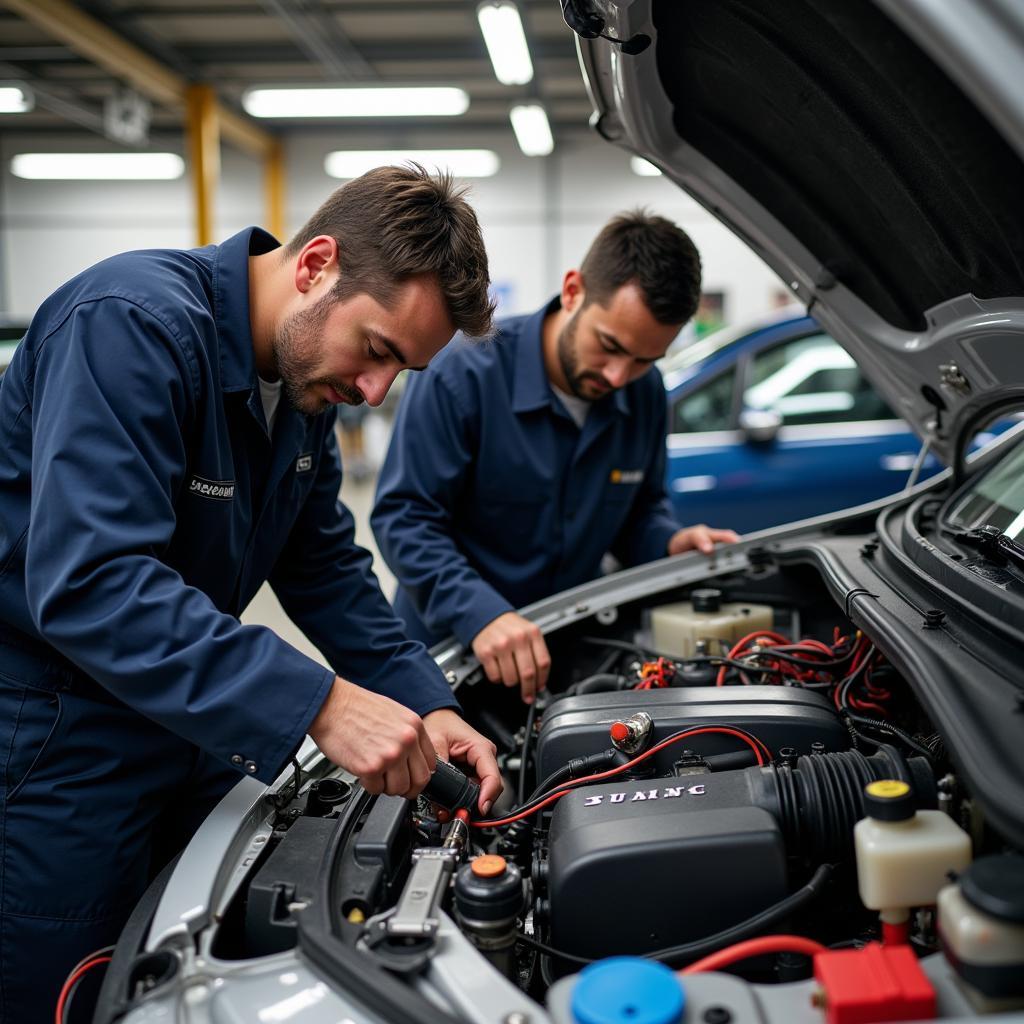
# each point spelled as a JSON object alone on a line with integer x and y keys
{"x": 873, "y": 984}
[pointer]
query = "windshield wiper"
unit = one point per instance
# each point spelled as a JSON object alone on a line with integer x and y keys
{"x": 993, "y": 544}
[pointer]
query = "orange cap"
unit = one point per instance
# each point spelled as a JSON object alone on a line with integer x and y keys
{"x": 620, "y": 732}
{"x": 488, "y": 865}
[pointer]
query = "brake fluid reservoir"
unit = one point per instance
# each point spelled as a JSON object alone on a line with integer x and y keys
{"x": 676, "y": 628}
{"x": 904, "y": 856}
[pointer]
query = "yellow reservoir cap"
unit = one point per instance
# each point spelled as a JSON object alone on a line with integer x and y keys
{"x": 887, "y": 789}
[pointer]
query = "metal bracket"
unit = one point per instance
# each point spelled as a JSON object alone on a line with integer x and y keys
{"x": 415, "y": 917}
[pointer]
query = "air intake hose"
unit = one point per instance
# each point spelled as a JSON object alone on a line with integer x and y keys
{"x": 817, "y": 802}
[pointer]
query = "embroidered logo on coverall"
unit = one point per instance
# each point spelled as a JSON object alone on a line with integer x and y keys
{"x": 220, "y": 490}
{"x": 627, "y": 476}
{"x": 304, "y": 463}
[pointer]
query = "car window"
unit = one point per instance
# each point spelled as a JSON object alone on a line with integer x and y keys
{"x": 707, "y": 408}
{"x": 812, "y": 380}
{"x": 996, "y": 499}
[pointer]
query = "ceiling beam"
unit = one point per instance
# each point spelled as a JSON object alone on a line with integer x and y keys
{"x": 55, "y": 104}
{"x": 319, "y": 37}
{"x": 108, "y": 50}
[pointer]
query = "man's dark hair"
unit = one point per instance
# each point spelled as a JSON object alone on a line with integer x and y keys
{"x": 394, "y": 223}
{"x": 650, "y": 252}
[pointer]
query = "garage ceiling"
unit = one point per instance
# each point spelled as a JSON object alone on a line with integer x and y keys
{"x": 235, "y": 44}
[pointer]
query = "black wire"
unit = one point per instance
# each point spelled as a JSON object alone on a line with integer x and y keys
{"x": 524, "y": 756}
{"x": 712, "y": 943}
{"x": 553, "y": 779}
{"x": 783, "y": 655}
{"x": 623, "y": 645}
{"x": 892, "y": 730}
{"x": 689, "y": 730}
{"x": 847, "y": 684}
{"x": 543, "y": 947}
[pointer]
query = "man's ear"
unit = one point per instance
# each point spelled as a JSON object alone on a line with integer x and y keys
{"x": 573, "y": 292}
{"x": 317, "y": 261}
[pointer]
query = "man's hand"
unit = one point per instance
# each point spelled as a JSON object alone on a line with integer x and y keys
{"x": 512, "y": 651}
{"x": 703, "y": 538}
{"x": 375, "y": 738}
{"x": 454, "y": 739}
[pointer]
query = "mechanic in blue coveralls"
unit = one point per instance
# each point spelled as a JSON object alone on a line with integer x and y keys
{"x": 150, "y": 482}
{"x": 515, "y": 466}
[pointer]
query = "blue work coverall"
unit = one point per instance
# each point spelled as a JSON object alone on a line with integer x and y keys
{"x": 142, "y": 504}
{"x": 492, "y": 498}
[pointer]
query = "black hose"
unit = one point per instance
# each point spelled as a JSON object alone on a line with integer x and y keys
{"x": 600, "y": 683}
{"x": 745, "y": 929}
{"x": 712, "y": 943}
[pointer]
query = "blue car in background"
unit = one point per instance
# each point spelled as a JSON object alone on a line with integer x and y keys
{"x": 774, "y": 423}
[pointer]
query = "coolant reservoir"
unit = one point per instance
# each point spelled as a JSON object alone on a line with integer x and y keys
{"x": 677, "y": 627}
{"x": 981, "y": 925}
{"x": 904, "y": 856}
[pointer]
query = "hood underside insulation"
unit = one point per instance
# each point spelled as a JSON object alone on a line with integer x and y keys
{"x": 851, "y": 136}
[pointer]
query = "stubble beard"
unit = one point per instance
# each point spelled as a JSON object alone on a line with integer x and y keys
{"x": 570, "y": 363}
{"x": 296, "y": 351}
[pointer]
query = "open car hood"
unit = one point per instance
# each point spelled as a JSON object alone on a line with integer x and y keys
{"x": 871, "y": 152}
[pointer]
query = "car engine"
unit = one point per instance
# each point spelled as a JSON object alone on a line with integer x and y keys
{"x": 769, "y": 801}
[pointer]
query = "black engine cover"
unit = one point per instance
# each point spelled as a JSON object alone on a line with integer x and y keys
{"x": 780, "y": 716}
{"x": 643, "y": 865}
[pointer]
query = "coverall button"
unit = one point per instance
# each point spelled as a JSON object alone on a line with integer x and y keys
{"x": 237, "y": 759}
{"x": 250, "y": 767}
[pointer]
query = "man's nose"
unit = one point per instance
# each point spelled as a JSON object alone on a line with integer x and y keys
{"x": 616, "y": 372}
{"x": 375, "y": 385}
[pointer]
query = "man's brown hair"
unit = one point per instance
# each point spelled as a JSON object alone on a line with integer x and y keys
{"x": 652, "y": 253}
{"x": 394, "y": 223}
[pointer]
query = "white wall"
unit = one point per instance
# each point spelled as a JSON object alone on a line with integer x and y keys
{"x": 538, "y": 215}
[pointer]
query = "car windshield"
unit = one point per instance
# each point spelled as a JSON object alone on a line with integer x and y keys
{"x": 996, "y": 499}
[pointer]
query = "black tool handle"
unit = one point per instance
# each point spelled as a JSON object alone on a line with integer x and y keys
{"x": 451, "y": 789}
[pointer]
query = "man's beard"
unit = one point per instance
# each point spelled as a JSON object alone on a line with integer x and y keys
{"x": 570, "y": 364}
{"x": 296, "y": 352}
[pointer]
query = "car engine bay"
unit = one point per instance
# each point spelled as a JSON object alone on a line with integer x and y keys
{"x": 729, "y": 777}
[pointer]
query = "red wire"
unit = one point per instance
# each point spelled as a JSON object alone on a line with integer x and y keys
{"x": 70, "y": 984}
{"x": 760, "y": 752}
{"x": 755, "y": 947}
{"x": 777, "y": 638}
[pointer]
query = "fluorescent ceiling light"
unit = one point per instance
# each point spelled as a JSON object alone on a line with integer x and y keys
{"x": 15, "y": 99}
{"x": 505, "y": 39}
{"x": 98, "y": 166}
{"x": 389, "y": 101}
{"x": 533, "y": 133}
{"x": 463, "y": 163}
{"x": 643, "y": 167}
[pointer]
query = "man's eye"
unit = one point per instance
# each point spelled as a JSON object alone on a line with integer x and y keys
{"x": 377, "y": 357}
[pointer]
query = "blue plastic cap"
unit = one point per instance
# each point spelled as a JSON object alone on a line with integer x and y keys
{"x": 627, "y": 990}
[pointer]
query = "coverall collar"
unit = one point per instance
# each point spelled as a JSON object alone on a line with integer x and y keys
{"x": 231, "y": 306}
{"x": 532, "y": 389}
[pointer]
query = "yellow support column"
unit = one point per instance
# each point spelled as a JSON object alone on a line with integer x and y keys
{"x": 204, "y": 154}
{"x": 273, "y": 183}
